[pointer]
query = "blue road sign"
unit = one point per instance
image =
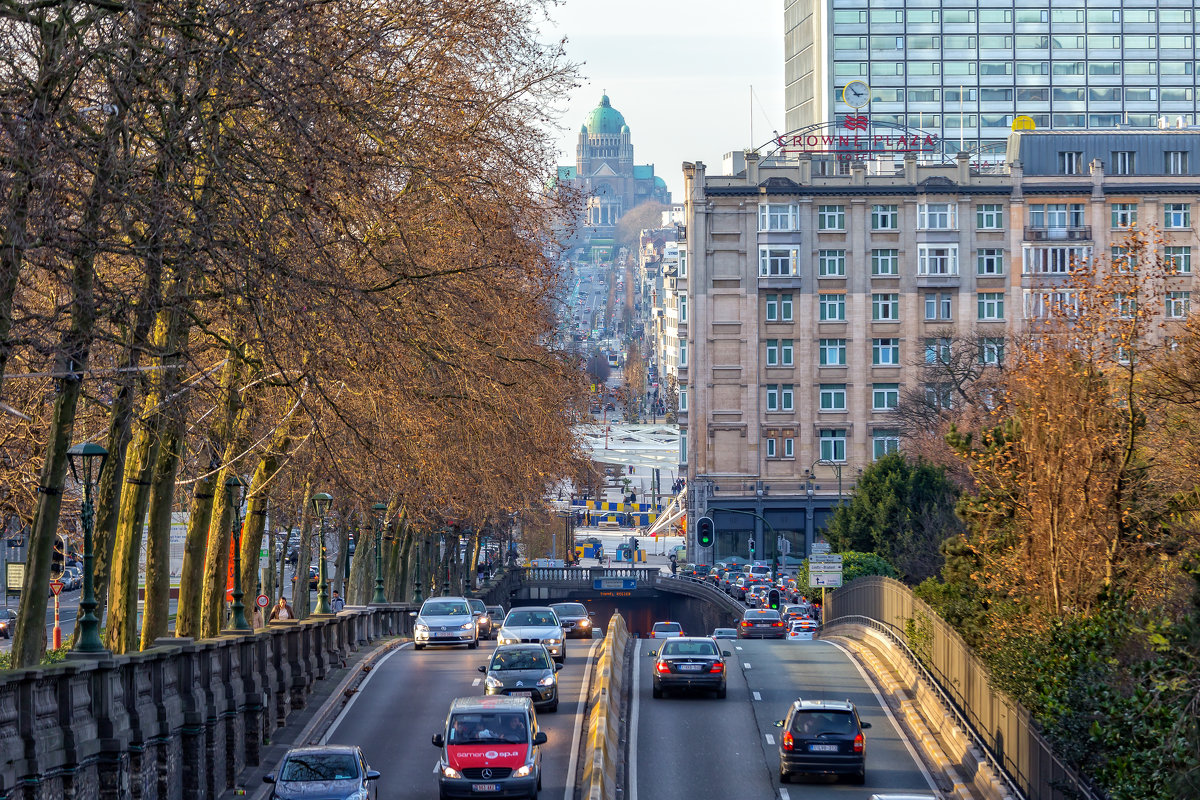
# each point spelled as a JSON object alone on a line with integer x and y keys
{"x": 609, "y": 584}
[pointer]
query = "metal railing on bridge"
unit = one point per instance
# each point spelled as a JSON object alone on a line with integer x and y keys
{"x": 646, "y": 575}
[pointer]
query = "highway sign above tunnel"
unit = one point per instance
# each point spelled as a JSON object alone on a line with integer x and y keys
{"x": 611, "y": 584}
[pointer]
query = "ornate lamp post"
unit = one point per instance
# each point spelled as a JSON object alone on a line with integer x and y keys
{"x": 89, "y": 459}
{"x": 235, "y": 488}
{"x": 380, "y": 509}
{"x": 320, "y": 505}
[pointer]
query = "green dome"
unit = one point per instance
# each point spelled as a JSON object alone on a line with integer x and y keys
{"x": 604, "y": 118}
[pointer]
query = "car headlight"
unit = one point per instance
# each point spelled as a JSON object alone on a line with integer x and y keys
{"x": 506, "y": 638}
{"x": 466, "y": 626}
{"x": 547, "y": 681}
{"x": 493, "y": 682}
{"x": 554, "y": 641}
{"x": 524, "y": 772}
{"x": 421, "y": 627}
{"x": 583, "y": 623}
{"x": 450, "y": 772}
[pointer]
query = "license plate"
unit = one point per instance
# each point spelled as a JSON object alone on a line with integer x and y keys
{"x": 690, "y": 667}
{"x": 823, "y": 748}
{"x": 485, "y": 787}
{"x": 521, "y": 694}
{"x": 444, "y": 634}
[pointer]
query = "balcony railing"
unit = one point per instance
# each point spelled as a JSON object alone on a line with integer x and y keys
{"x": 1079, "y": 234}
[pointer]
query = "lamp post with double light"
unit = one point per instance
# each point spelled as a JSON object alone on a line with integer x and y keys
{"x": 380, "y": 509}
{"x": 88, "y": 459}
{"x": 320, "y": 505}
{"x": 235, "y": 489}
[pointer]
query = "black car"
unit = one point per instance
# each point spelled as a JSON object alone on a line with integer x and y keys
{"x": 689, "y": 663}
{"x": 575, "y": 619}
{"x": 8, "y": 622}
{"x": 761, "y": 623}
{"x": 523, "y": 670}
{"x": 323, "y": 771}
{"x": 821, "y": 736}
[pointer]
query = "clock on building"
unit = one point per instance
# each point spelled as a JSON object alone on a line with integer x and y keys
{"x": 856, "y": 94}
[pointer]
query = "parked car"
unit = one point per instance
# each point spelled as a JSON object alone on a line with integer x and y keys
{"x": 523, "y": 670}
{"x": 320, "y": 771}
{"x": 821, "y": 736}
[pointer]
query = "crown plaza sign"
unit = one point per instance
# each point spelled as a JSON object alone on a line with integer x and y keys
{"x": 855, "y": 136}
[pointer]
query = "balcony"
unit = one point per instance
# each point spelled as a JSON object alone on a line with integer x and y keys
{"x": 1082, "y": 233}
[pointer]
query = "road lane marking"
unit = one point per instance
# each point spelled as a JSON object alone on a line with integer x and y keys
{"x": 573, "y": 761}
{"x": 783, "y": 794}
{"x": 737, "y": 647}
{"x": 757, "y": 696}
{"x": 895, "y": 725}
{"x": 475, "y": 682}
{"x": 745, "y": 665}
{"x": 359, "y": 693}
{"x": 770, "y": 738}
{"x": 634, "y": 715}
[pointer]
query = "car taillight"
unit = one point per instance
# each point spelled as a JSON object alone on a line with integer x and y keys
{"x": 858, "y": 743}
{"x": 662, "y": 667}
{"x": 777, "y": 624}
{"x": 717, "y": 667}
{"x": 745, "y": 623}
{"x": 787, "y": 740}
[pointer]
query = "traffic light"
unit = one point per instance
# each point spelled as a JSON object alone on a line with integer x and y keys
{"x": 705, "y": 532}
{"x": 773, "y": 599}
{"x": 58, "y": 560}
{"x": 751, "y": 549}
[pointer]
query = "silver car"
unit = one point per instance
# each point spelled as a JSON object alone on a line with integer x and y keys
{"x": 534, "y": 625}
{"x": 445, "y": 620}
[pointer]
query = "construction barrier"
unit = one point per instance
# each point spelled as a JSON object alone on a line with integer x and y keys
{"x": 603, "y": 751}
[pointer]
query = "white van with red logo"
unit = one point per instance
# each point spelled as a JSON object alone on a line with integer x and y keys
{"x": 491, "y": 748}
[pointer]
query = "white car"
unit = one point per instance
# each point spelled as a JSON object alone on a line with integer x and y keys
{"x": 534, "y": 624}
{"x": 445, "y": 621}
{"x": 666, "y": 630}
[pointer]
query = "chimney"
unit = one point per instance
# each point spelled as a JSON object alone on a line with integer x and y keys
{"x": 858, "y": 173}
{"x": 1097, "y": 171}
{"x": 751, "y": 157}
{"x": 910, "y": 168}
{"x": 805, "y": 161}
{"x": 964, "y": 167}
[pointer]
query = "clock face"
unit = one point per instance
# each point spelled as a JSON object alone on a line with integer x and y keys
{"x": 857, "y": 94}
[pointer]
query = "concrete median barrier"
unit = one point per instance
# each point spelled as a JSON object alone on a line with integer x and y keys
{"x": 602, "y": 744}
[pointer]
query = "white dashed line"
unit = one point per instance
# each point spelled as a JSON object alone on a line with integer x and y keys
{"x": 757, "y": 696}
{"x": 783, "y": 794}
{"x": 745, "y": 665}
{"x": 475, "y": 682}
{"x": 737, "y": 647}
{"x": 770, "y": 738}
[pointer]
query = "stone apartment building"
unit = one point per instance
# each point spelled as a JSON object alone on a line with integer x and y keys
{"x": 814, "y": 293}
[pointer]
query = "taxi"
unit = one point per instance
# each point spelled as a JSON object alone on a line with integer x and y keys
{"x": 491, "y": 747}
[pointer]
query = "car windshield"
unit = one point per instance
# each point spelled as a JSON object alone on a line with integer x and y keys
{"x": 762, "y": 615}
{"x": 824, "y": 723}
{"x": 320, "y": 767}
{"x": 477, "y": 606}
{"x": 477, "y": 728}
{"x": 570, "y": 609}
{"x": 686, "y": 648}
{"x": 531, "y": 618}
{"x": 445, "y": 609}
{"x": 527, "y": 658}
{"x": 724, "y": 632}
{"x": 495, "y": 611}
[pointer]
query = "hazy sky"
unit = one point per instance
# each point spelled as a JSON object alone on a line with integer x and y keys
{"x": 680, "y": 72}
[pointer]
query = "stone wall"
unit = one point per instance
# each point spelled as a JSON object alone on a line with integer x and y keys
{"x": 176, "y": 722}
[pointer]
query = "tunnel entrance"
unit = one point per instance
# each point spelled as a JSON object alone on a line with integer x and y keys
{"x": 642, "y": 609}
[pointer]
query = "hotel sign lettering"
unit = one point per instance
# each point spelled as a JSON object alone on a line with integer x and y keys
{"x": 856, "y": 136}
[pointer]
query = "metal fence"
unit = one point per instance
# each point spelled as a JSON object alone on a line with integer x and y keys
{"x": 1001, "y": 725}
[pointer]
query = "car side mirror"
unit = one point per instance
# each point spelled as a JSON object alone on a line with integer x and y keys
{"x": 439, "y": 740}
{"x": 269, "y": 778}
{"x": 778, "y": 723}
{"x": 864, "y": 724}
{"x": 557, "y": 667}
{"x": 539, "y": 737}
{"x": 372, "y": 774}
{"x": 482, "y": 668}
{"x": 591, "y": 613}
{"x": 726, "y": 653}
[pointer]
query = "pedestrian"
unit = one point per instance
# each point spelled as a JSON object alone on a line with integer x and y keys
{"x": 674, "y": 565}
{"x": 282, "y": 610}
{"x": 256, "y": 618}
{"x": 337, "y": 603}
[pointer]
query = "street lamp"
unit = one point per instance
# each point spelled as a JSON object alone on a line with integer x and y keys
{"x": 235, "y": 489}
{"x": 320, "y": 505}
{"x": 89, "y": 459}
{"x": 379, "y": 509}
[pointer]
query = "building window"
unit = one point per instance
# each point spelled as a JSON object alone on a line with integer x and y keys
{"x": 770, "y": 448}
{"x": 1122, "y": 162}
{"x": 832, "y": 307}
{"x": 787, "y": 394}
{"x": 1056, "y": 216}
{"x": 773, "y": 397}
{"x": 885, "y": 396}
{"x": 778, "y": 217}
{"x": 1121, "y": 259}
{"x": 885, "y": 218}
{"x": 937, "y": 216}
{"x": 989, "y": 217}
{"x": 1176, "y": 162}
{"x": 683, "y": 398}
{"x": 832, "y": 352}
{"x": 885, "y": 262}
{"x": 789, "y": 447}
{"x": 991, "y": 306}
{"x": 831, "y": 263}
{"x": 939, "y": 305}
{"x": 884, "y": 442}
{"x": 772, "y": 352}
{"x": 1180, "y": 259}
{"x": 885, "y": 307}
{"x": 989, "y": 261}
{"x": 1179, "y": 304}
{"x": 682, "y": 354}
{"x": 1042, "y": 303}
{"x": 1124, "y": 215}
{"x": 939, "y": 396}
{"x": 937, "y": 259}
{"x": 937, "y": 351}
{"x": 833, "y": 397}
{"x": 772, "y": 310}
{"x": 776, "y": 261}
{"x": 683, "y": 308}
{"x": 785, "y": 307}
{"x": 991, "y": 351}
{"x": 885, "y": 352}
{"x": 683, "y": 447}
{"x": 831, "y": 218}
{"x": 1177, "y": 215}
{"x": 1070, "y": 162}
{"x": 786, "y": 352}
{"x": 1054, "y": 260}
{"x": 833, "y": 444}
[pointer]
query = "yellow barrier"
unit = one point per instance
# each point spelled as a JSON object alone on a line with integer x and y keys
{"x": 603, "y": 751}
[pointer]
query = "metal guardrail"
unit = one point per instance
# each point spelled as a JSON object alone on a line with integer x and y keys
{"x": 587, "y": 574}
{"x": 1003, "y": 729}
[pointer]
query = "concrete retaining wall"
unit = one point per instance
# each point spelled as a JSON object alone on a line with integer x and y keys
{"x": 176, "y": 722}
{"x": 602, "y": 746}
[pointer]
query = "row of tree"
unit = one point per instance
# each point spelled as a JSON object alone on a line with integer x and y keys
{"x": 299, "y": 242}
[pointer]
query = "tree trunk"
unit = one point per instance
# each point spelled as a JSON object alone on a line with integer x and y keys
{"x": 339, "y": 582}
{"x": 362, "y": 565}
{"x": 187, "y": 615}
{"x": 157, "y": 606}
{"x": 256, "y": 510}
{"x": 300, "y": 595}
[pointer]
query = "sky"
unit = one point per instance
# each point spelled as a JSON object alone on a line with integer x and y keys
{"x": 680, "y": 71}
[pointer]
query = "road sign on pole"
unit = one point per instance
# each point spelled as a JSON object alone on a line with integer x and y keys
{"x": 56, "y": 587}
{"x": 262, "y": 601}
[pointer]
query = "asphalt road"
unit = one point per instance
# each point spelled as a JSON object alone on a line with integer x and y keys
{"x": 405, "y": 701}
{"x": 727, "y": 748}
